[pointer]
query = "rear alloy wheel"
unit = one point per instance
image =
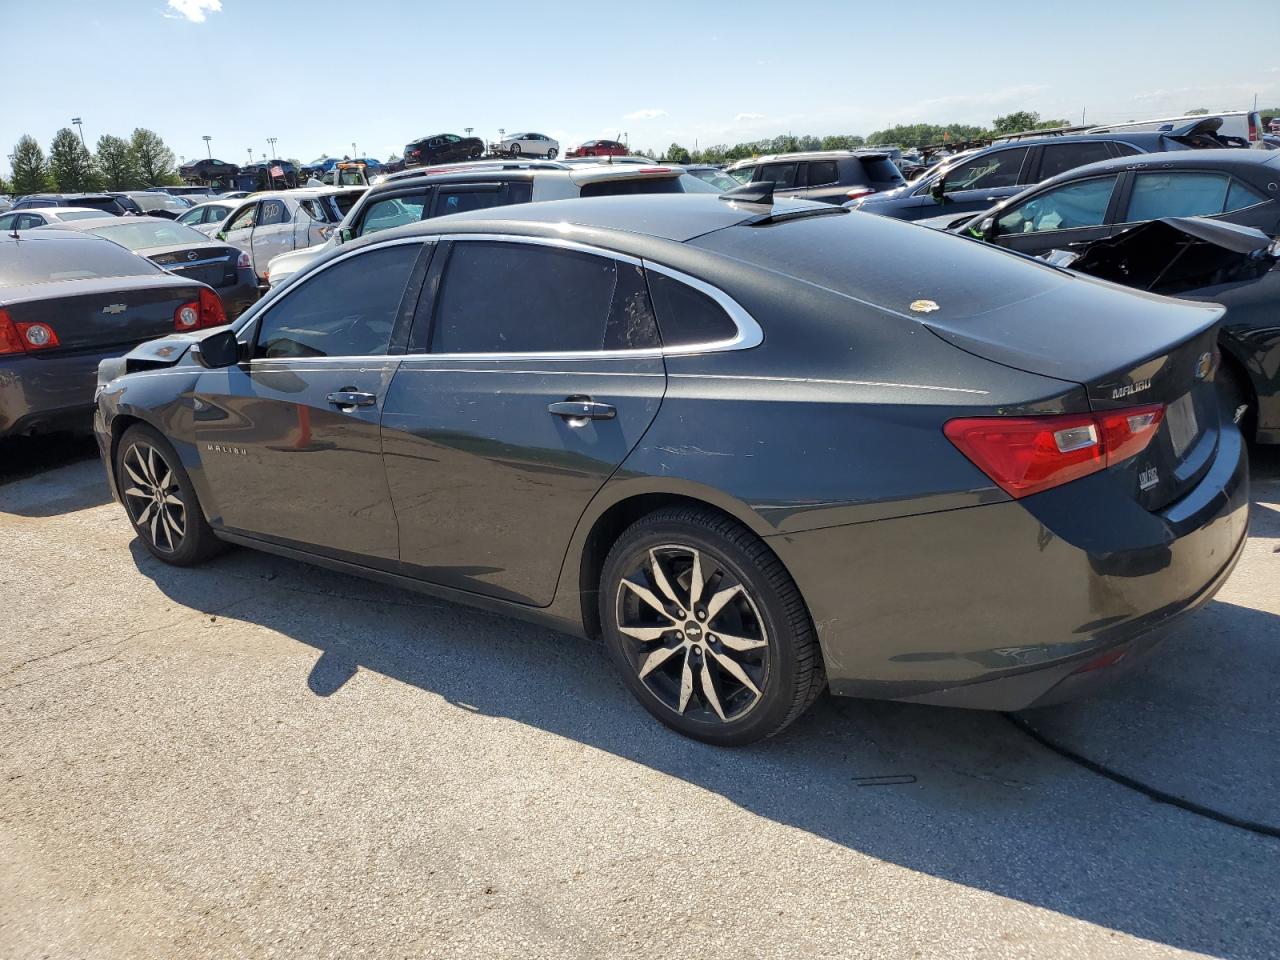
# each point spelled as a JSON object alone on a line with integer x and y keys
{"x": 160, "y": 500}
{"x": 515, "y": 149}
{"x": 551, "y": 154}
{"x": 707, "y": 629}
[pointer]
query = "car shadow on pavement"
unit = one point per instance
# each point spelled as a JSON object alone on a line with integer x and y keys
{"x": 961, "y": 796}
{"x": 79, "y": 485}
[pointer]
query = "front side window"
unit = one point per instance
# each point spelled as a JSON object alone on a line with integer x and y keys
{"x": 346, "y": 310}
{"x": 499, "y": 297}
{"x": 1061, "y": 157}
{"x": 244, "y": 219}
{"x": 1073, "y": 205}
{"x": 822, "y": 172}
{"x": 192, "y": 217}
{"x": 1157, "y": 195}
{"x": 273, "y": 212}
{"x": 452, "y": 139}
{"x": 7, "y": 221}
{"x": 991, "y": 170}
{"x": 393, "y": 212}
{"x": 783, "y": 175}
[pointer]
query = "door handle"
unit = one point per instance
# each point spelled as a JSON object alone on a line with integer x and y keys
{"x": 578, "y": 410}
{"x": 352, "y": 398}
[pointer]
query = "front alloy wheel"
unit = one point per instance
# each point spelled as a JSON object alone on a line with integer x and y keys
{"x": 154, "y": 497}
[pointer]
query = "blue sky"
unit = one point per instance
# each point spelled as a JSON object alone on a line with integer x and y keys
{"x": 321, "y": 75}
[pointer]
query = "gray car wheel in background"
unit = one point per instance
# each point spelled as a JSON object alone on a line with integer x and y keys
{"x": 551, "y": 154}
{"x": 515, "y": 149}
{"x": 707, "y": 628}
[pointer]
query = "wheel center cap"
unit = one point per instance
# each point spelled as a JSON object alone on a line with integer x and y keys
{"x": 693, "y": 631}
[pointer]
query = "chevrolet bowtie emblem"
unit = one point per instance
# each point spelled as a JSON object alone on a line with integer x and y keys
{"x": 115, "y": 308}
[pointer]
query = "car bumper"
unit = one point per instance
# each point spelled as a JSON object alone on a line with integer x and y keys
{"x": 42, "y": 394}
{"x": 1020, "y": 603}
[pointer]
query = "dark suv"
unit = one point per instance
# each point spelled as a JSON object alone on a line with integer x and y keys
{"x": 97, "y": 201}
{"x": 832, "y": 176}
{"x": 976, "y": 179}
{"x": 442, "y": 148}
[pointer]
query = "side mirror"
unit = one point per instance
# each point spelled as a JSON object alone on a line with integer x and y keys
{"x": 344, "y": 235}
{"x": 218, "y": 348}
{"x": 939, "y": 190}
{"x": 221, "y": 235}
{"x": 988, "y": 228}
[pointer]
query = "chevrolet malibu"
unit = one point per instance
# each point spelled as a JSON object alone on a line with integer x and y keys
{"x": 733, "y": 438}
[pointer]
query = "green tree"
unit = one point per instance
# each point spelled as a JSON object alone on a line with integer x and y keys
{"x": 1198, "y": 112}
{"x": 1016, "y": 122}
{"x": 70, "y": 164}
{"x": 30, "y": 169}
{"x": 677, "y": 154}
{"x": 843, "y": 141}
{"x": 154, "y": 160}
{"x": 116, "y": 164}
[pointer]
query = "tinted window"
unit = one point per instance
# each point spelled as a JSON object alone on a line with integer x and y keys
{"x": 687, "y": 316}
{"x": 459, "y": 200}
{"x": 614, "y": 188}
{"x": 1060, "y": 157}
{"x": 273, "y": 211}
{"x": 83, "y": 215}
{"x": 1240, "y": 196}
{"x": 783, "y": 175}
{"x": 393, "y": 212}
{"x": 822, "y": 172}
{"x": 7, "y": 221}
{"x": 882, "y": 169}
{"x": 347, "y": 310}
{"x": 108, "y": 204}
{"x": 520, "y": 298}
{"x": 243, "y": 219}
{"x": 1126, "y": 149}
{"x": 1158, "y": 195}
{"x": 193, "y": 217}
{"x": 1081, "y": 204}
{"x": 43, "y": 261}
{"x": 999, "y": 169}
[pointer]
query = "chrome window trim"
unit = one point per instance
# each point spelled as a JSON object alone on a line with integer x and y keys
{"x": 748, "y": 333}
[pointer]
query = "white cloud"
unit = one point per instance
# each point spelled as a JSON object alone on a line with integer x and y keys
{"x": 649, "y": 113}
{"x": 748, "y": 116}
{"x": 193, "y": 10}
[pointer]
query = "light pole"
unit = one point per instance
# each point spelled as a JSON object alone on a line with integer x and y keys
{"x": 76, "y": 121}
{"x": 272, "y": 141}
{"x": 208, "y": 149}
{"x": 249, "y": 150}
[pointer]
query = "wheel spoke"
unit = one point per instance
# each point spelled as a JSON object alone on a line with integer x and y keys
{"x": 167, "y": 482}
{"x": 644, "y": 634}
{"x": 171, "y": 515}
{"x": 686, "y": 685}
{"x": 155, "y": 528}
{"x": 696, "y": 582}
{"x": 741, "y": 644}
{"x": 136, "y": 492}
{"x": 152, "y": 473}
{"x": 656, "y": 659}
{"x": 709, "y": 688}
{"x": 660, "y": 578}
{"x": 170, "y": 498}
{"x": 735, "y": 670}
{"x": 146, "y": 512}
{"x": 648, "y": 596}
{"x": 134, "y": 475}
{"x": 720, "y": 598}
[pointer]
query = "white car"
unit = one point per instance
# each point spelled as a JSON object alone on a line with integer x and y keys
{"x": 29, "y": 217}
{"x": 528, "y": 145}
{"x": 280, "y": 221}
{"x": 209, "y": 217}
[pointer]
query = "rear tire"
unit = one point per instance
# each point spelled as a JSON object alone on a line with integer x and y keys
{"x": 515, "y": 150}
{"x": 160, "y": 500}
{"x": 729, "y": 660}
{"x": 551, "y": 154}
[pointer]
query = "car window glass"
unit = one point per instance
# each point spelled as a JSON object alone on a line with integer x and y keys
{"x": 273, "y": 212}
{"x": 1158, "y": 195}
{"x": 1081, "y": 204}
{"x": 346, "y": 310}
{"x": 243, "y": 219}
{"x": 1240, "y": 196}
{"x": 822, "y": 172}
{"x": 687, "y": 316}
{"x": 393, "y": 212}
{"x": 998, "y": 169}
{"x": 518, "y": 298}
{"x": 783, "y": 175}
{"x": 519, "y": 191}
{"x": 458, "y": 201}
{"x": 192, "y": 217}
{"x": 7, "y": 221}
{"x": 1061, "y": 157}
{"x": 1126, "y": 149}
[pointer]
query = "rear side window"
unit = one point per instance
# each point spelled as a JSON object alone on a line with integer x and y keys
{"x": 882, "y": 169}
{"x": 501, "y": 297}
{"x": 1126, "y": 149}
{"x": 1158, "y": 195}
{"x": 783, "y": 175}
{"x": 346, "y": 310}
{"x": 43, "y": 261}
{"x": 1240, "y": 196}
{"x": 393, "y": 212}
{"x": 687, "y": 316}
{"x": 1060, "y": 157}
{"x": 822, "y": 172}
{"x": 273, "y": 211}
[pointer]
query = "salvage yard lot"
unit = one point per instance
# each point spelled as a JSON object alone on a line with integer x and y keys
{"x": 260, "y": 758}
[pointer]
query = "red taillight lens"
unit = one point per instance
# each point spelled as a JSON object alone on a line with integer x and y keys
{"x": 1025, "y": 455}
{"x": 857, "y": 192}
{"x": 1253, "y": 128}
{"x": 211, "y": 312}
{"x": 37, "y": 336}
{"x": 10, "y": 339}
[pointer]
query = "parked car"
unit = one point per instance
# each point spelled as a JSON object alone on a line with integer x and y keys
{"x": 193, "y": 191}
{"x": 712, "y": 174}
{"x": 146, "y": 203}
{"x": 5, "y": 204}
{"x": 973, "y": 180}
{"x": 440, "y": 191}
{"x": 442, "y": 148}
{"x": 184, "y": 252}
{"x": 217, "y": 174}
{"x": 208, "y": 217}
{"x": 233, "y": 195}
{"x": 102, "y": 202}
{"x": 32, "y": 217}
{"x": 68, "y": 300}
{"x": 832, "y": 176}
{"x": 1244, "y": 127}
{"x": 758, "y": 449}
{"x": 527, "y": 145}
{"x": 272, "y": 223}
{"x": 599, "y": 148}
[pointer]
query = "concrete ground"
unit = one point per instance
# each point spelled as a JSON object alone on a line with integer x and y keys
{"x": 261, "y": 759}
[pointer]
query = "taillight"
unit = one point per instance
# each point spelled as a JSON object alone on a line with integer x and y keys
{"x": 1253, "y": 128}
{"x": 857, "y": 192}
{"x": 654, "y": 170}
{"x": 205, "y": 312}
{"x": 23, "y": 337}
{"x": 10, "y": 340}
{"x": 1025, "y": 455}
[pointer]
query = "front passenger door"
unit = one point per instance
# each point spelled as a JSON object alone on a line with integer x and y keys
{"x": 289, "y": 440}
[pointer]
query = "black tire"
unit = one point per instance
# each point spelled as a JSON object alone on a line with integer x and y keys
{"x": 515, "y": 150}
{"x": 784, "y": 667}
{"x": 1234, "y": 391}
{"x": 476, "y": 153}
{"x": 146, "y": 462}
{"x": 551, "y": 154}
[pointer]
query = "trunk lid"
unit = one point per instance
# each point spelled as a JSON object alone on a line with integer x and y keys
{"x": 213, "y": 264}
{"x": 116, "y": 311}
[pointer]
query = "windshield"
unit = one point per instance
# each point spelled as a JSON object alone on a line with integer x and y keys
{"x": 136, "y": 236}
{"x": 160, "y": 201}
{"x": 45, "y": 261}
{"x": 717, "y": 178}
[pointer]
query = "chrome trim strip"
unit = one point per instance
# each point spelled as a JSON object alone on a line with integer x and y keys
{"x": 187, "y": 264}
{"x": 847, "y": 383}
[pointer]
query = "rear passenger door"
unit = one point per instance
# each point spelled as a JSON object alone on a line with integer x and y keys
{"x": 533, "y": 369}
{"x": 1056, "y": 158}
{"x": 272, "y": 234}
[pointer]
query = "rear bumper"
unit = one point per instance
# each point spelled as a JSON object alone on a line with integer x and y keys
{"x": 41, "y": 394}
{"x": 1000, "y": 607}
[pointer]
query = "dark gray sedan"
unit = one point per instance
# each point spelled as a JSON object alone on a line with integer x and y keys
{"x": 758, "y": 448}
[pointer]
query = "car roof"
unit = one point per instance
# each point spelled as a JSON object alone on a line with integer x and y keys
{"x": 45, "y": 234}
{"x": 58, "y": 211}
{"x": 88, "y": 223}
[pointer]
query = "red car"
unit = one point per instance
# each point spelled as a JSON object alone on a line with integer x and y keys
{"x": 599, "y": 148}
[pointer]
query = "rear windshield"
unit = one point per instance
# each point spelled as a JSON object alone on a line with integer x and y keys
{"x": 44, "y": 261}
{"x": 616, "y": 188}
{"x": 101, "y": 203}
{"x": 882, "y": 169}
{"x": 136, "y": 236}
{"x": 161, "y": 201}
